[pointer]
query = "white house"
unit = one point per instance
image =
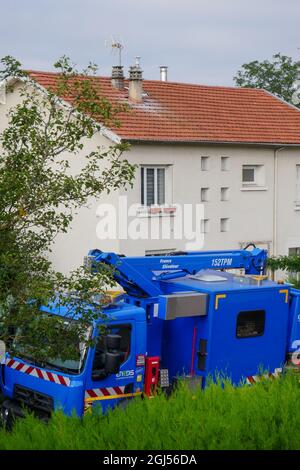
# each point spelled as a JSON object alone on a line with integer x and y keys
{"x": 235, "y": 151}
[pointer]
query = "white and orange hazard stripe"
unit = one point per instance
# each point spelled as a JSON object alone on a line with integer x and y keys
{"x": 38, "y": 373}
{"x": 252, "y": 379}
{"x": 107, "y": 393}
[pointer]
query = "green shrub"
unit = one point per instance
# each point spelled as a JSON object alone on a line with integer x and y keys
{"x": 263, "y": 416}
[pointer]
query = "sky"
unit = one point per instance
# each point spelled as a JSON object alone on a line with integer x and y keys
{"x": 201, "y": 41}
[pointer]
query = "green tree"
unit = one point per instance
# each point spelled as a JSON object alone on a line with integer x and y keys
{"x": 39, "y": 195}
{"x": 289, "y": 264}
{"x": 279, "y": 76}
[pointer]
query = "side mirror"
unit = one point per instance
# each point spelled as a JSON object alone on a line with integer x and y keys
{"x": 112, "y": 362}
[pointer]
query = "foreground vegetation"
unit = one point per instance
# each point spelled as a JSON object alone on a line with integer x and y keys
{"x": 263, "y": 416}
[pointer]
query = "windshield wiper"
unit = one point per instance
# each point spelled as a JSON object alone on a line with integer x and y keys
{"x": 43, "y": 364}
{"x": 61, "y": 368}
{"x": 29, "y": 359}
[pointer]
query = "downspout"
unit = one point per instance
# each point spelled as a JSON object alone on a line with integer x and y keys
{"x": 275, "y": 199}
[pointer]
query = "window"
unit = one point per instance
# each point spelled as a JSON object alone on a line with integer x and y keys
{"x": 224, "y": 163}
{"x": 298, "y": 185}
{"x": 153, "y": 182}
{"x": 294, "y": 251}
{"x": 253, "y": 175}
{"x": 124, "y": 331}
{"x": 250, "y": 324}
{"x": 224, "y": 225}
{"x": 204, "y": 225}
{"x": 249, "y": 174}
{"x": 204, "y": 194}
{"x": 224, "y": 194}
{"x": 204, "y": 163}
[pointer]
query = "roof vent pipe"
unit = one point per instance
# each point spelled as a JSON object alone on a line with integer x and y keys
{"x": 136, "y": 81}
{"x": 163, "y": 73}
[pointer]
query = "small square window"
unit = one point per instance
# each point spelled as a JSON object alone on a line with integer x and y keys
{"x": 204, "y": 163}
{"x": 224, "y": 225}
{"x": 250, "y": 324}
{"x": 253, "y": 175}
{"x": 248, "y": 175}
{"x": 204, "y": 194}
{"x": 224, "y": 194}
{"x": 224, "y": 163}
{"x": 205, "y": 225}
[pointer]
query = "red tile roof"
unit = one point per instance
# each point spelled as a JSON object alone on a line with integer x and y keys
{"x": 180, "y": 112}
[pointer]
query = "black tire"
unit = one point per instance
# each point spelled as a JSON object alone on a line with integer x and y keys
{"x": 7, "y": 419}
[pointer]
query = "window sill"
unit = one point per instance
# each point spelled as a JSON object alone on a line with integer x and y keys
{"x": 254, "y": 188}
{"x": 297, "y": 208}
{"x": 156, "y": 211}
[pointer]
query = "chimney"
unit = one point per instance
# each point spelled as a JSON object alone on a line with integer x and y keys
{"x": 136, "y": 81}
{"x": 163, "y": 73}
{"x": 117, "y": 77}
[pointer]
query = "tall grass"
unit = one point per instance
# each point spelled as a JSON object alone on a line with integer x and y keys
{"x": 263, "y": 416}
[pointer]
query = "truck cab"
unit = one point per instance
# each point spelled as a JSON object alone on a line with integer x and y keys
{"x": 76, "y": 386}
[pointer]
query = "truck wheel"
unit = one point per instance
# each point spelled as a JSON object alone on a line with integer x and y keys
{"x": 7, "y": 419}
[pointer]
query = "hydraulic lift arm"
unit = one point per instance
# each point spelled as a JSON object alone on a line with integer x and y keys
{"x": 138, "y": 276}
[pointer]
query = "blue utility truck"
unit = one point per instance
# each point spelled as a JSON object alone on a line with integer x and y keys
{"x": 190, "y": 315}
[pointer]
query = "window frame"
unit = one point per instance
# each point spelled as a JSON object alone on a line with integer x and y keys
{"x": 250, "y": 167}
{"x": 259, "y": 181}
{"x": 244, "y": 312}
{"x": 108, "y": 329}
{"x": 144, "y": 192}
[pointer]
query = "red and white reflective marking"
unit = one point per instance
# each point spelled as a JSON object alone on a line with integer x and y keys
{"x": 38, "y": 373}
{"x": 252, "y": 379}
{"x": 108, "y": 392}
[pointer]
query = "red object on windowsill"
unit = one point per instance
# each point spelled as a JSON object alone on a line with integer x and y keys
{"x": 169, "y": 210}
{"x": 154, "y": 210}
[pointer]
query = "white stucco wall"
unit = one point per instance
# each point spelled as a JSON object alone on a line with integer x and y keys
{"x": 250, "y": 211}
{"x": 288, "y": 214}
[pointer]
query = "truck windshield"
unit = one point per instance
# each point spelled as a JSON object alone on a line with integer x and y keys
{"x": 70, "y": 366}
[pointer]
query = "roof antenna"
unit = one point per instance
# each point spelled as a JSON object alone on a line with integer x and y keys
{"x": 116, "y": 45}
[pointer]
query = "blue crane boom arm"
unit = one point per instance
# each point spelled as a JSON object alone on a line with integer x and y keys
{"x": 139, "y": 276}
